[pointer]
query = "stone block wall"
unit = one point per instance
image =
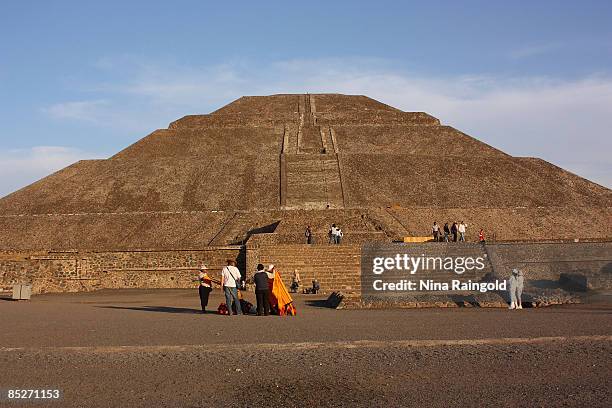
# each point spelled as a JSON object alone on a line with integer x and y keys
{"x": 82, "y": 271}
{"x": 336, "y": 267}
{"x": 544, "y": 263}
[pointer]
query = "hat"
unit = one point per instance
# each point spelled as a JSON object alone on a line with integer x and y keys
{"x": 515, "y": 271}
{"x": 270, "y": 267}
{"x": 203, "y": 267}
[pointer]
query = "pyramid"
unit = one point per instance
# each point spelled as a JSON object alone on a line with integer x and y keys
{"x": 273, "y": 164}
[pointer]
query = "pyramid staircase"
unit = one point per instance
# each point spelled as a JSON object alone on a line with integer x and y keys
{"x": 310, "y": 169}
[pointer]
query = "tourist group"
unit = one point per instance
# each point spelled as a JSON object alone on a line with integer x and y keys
{"x": 454, "y": 233}
{"x": 271, "y": 294}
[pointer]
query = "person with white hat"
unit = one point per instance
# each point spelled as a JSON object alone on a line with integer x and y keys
{"x": 204, "y": 288}
{"x": 515, "y": 284}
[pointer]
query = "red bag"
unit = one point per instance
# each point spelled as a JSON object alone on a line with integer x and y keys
{"x": 222, "y": 309}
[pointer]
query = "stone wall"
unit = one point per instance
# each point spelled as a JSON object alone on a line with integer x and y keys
{"x": 336, "y": 267}
{"x": 82, "y": 271}
{"x": 544, "y": 264}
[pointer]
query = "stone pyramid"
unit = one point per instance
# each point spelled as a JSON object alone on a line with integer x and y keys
{"x": 272, "y": 164}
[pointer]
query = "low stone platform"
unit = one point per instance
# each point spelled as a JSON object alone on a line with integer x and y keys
{"x": 539, "y": 298}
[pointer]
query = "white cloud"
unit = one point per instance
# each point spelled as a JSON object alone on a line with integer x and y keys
{"x": 88, "y": 111}
{"x": 566, "y": 122}
{"x": 20, "y": 167}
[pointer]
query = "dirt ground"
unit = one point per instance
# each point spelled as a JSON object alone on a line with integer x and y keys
{"x": 152, "y": 348}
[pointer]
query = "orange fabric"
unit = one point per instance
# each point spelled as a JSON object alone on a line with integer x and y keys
{"x": 280, "y": 297}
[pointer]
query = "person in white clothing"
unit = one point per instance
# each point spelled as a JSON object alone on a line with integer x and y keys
{"x": 461, "y": 229}
{"x": 230, "y": 280}
{"x": 295, "y": 281}
{"x": 435, "y": 231}
{"x": 515, "y": 284}
{"x": 332, "y": 234}
{"x": 339, "y": 235}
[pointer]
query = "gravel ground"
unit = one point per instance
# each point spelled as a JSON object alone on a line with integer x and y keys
{"x": 151, "y": 349}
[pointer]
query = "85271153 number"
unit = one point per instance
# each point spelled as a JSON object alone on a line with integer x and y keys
{"x": 31, "y": 394}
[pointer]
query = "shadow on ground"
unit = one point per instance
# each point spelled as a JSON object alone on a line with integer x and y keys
{"x": 162, "y": 309}
{"x": 318, "y": 303}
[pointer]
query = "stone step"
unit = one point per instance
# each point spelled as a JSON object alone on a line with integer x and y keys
{"x": 311, "y": 139}
{"x": 313, "y": 181}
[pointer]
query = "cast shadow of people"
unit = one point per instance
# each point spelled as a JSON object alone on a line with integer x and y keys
{"x": 319, "y": 303}
{"x": 162, "y": 309}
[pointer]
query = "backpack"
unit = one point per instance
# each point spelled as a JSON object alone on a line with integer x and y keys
{"x": 222, "y": 309}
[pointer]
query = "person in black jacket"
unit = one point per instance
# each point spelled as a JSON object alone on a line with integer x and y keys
{"x": 262, "y": 291}
{"x": 446, "y": 232}
{"x": 308, "y": 235}
{"x": 454, "y": 231}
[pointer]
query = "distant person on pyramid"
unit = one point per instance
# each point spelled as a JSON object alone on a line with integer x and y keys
{"x": 295, "y": 281}
{"x": 435, "y": 231}
{"x": 481, "y": 236}
{"x": 461, "y": 229}
{"x": 515, "y": 284}
{"x": 446, "y": 232}
{"x": 308, "y": 235}
{"x": 230, "y": 281}
{"x": 316, "y": 286}
{"x": 454, "y": 231}
{"x": 338, "y": 236}
{"x": 332, "y": 234}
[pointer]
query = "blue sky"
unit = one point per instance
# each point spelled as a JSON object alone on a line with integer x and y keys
{"x": 84, "y": 79}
